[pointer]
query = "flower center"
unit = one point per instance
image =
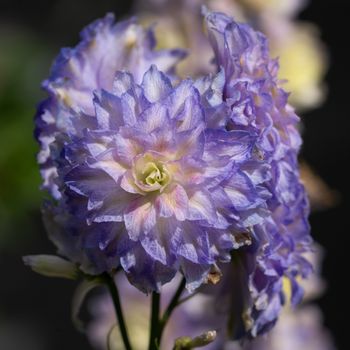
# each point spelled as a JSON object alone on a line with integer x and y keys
{"x": 154, "y": 174}
{"x": 151, "y": 175}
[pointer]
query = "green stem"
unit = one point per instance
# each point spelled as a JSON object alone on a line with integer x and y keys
{"x": 183, "y": 300}
{"x": 118, "y": 309}
{"x": 154, "y": 339}
{"x": 171, "y": 307}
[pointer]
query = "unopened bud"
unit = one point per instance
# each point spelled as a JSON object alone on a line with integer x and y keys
{"x": 51, "y": 266}
{"x": 187, "y": 343}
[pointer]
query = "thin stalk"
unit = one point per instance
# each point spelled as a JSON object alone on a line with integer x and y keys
{"x": 118, "y": 309}
{"x": 183, "y": 300}
{"x": 171, "y": 307}
{"x": 154, "y": 339}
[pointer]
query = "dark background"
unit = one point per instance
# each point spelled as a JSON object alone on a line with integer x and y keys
{"x": 34, "y": 311}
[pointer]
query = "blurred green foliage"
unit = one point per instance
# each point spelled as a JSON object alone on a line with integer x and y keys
{"x": 23, "y": 63}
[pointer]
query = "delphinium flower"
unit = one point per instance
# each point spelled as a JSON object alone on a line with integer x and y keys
{"x": 142, "y": 168}
{"x": 256, "y": 102}
{"x": 155, "y": 175}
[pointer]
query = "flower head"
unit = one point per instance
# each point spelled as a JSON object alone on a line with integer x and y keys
{"x": 136, "y": 171}
{"x": 156, "y": 165}
{"x": 157, "y": 175}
